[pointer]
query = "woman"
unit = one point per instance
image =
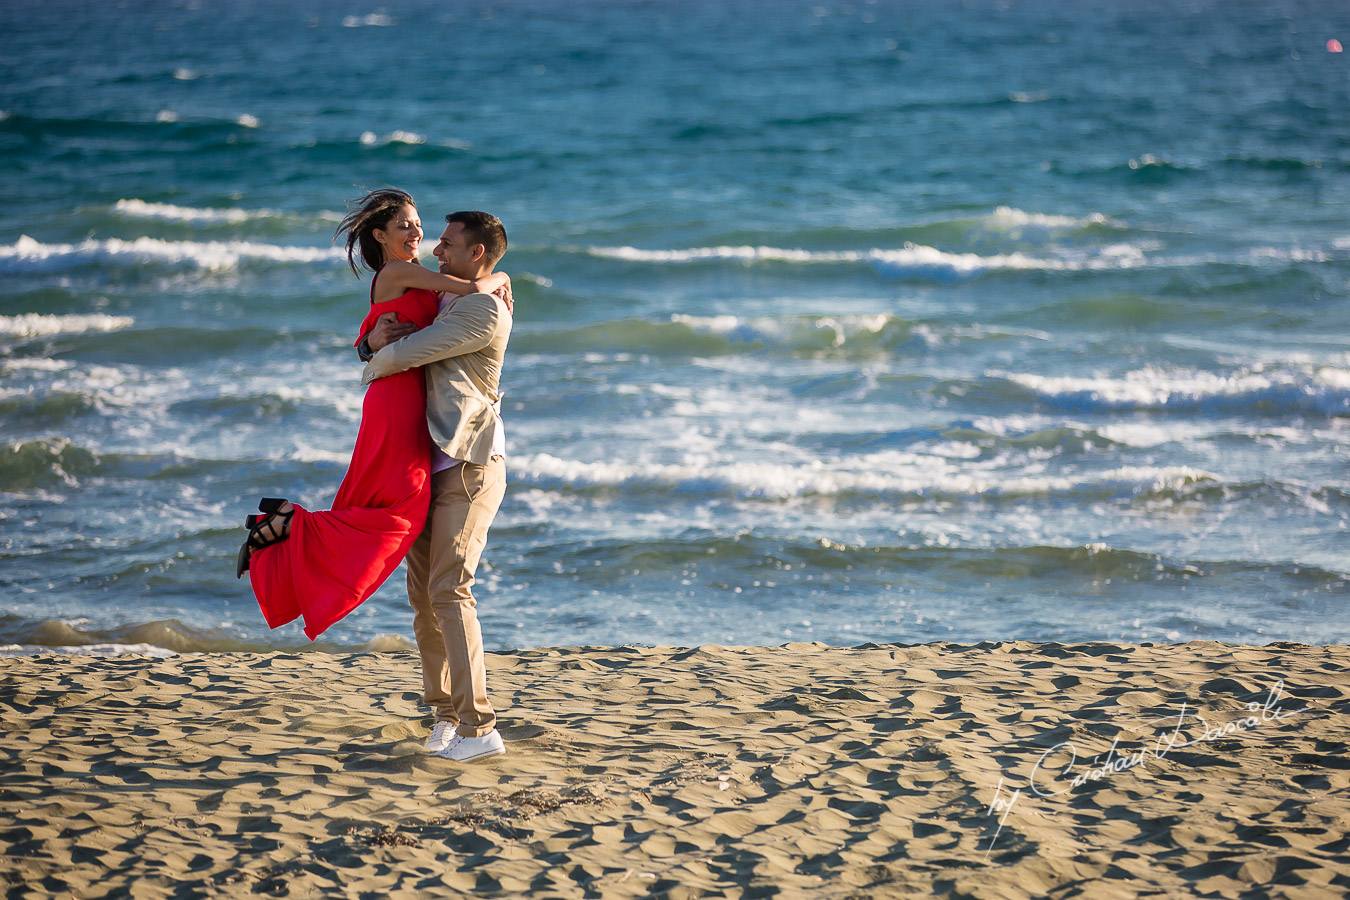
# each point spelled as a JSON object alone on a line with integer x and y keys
{"x": 322, "y": 565}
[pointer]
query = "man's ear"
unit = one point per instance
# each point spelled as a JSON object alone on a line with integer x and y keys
{"x": 478, "y": 251}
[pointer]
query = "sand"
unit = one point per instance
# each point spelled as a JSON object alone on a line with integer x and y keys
{"x": 879, "y": 771}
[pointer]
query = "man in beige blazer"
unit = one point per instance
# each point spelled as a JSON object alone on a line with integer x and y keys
{"x": 462, "y": 353}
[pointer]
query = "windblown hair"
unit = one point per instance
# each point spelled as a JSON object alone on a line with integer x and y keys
{"x": 372, "y": 211}
{"x": 482, "y": 228}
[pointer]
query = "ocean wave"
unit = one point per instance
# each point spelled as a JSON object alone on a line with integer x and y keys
{"x": 926, "y": 263}
{"x": 842, "y": 336}
{"x": 370, "y": 20}
{"x": 929, "y": 262}
{"x": 913, "y": 261}
{"x": 38, "y": 325}
{"x": 1153, "y": 169}
{"x": 27, "y": 256}
{"x": 892, "y": 476}
{"x": 43, "y": 408}
{"x": 877, "y": 332}
{"x": 175, "y": 345}
{"x": 1009, "y": 217}
{"x": 1131, "y": 310}
{"x": 11, "y": 651}
{"x": 166, "y": 124}
{"x": 1270, "y": 494}
{"x": 1029, "y": 433}
{"x": 752, "y": 553}
{"x": 1317, "y": 390}
{"x": 1004, "y": 223}
{"x": 26, "y": 465}
{"x": 405, "y": 145}
{"x": 735, "y": 254}
{"x": 719, "y": 335}
{"x": 307, "y": 454}
{"x": 1277, "y": 163}
{"x": 410, "y": 139}
{"x": 133, "y": 208}
{"x": 1088, "y": 562}
{"x": 371, "y": 139}
{"x": 1054, "y": 439}
{"x": 33, "y": 363}
{"x": 140, "y": 209}
{"x": 163, "y": 637}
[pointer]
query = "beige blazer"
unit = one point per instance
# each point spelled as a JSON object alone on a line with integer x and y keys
{"x": 462, "y": 352}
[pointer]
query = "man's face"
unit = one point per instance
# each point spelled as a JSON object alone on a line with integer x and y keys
{"x": 455, "y": 254}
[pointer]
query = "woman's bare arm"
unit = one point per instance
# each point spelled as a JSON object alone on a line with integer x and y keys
{"x": 398, "y": 276}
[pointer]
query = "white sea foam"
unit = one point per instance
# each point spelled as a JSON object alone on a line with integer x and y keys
{"x": 1324, "y": 390}
{"x": 140, "y": 209}
{"x": 247, "y": 121}
{"x": 34, "y": 364}
{"x": 1145, "y": 435}
{"x": 373, "y": 20}
{"x": 891, "y": 474}
{"x": 1133, "y": 434}
{"x": 1008, "y": 217}
{"x": 371, "y": 139}
{"x": 912, "y": 260}
{"x": 37, "y": 325}
{"x": 305, "y": 453}
{"x": 11, "y": 651}
{"x": 801, "y": 331}
{"x": 929, "y": 262}
{"x": 27, "y": 255}
{"x": 1290, "y": 254}
{"x": 921, "y": 261}
{"x": 743, "y": 254}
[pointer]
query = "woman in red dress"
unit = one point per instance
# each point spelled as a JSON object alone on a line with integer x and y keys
{"x": 323, "y": 564}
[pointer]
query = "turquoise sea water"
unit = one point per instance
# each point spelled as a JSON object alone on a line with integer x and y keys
{"x": 866, "y": 321}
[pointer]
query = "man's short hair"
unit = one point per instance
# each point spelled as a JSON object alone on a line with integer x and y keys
{"x": 482, "y": 228}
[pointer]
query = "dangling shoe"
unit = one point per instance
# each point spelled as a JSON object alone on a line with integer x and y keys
{"x": 264, "y": 530}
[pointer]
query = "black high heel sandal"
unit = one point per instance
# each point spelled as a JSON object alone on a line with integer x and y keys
{"x": 263, "y": 530}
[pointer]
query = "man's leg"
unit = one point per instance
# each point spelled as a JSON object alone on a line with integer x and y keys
{"x": 426, "y": 630}
{"x": 463, "y": 508}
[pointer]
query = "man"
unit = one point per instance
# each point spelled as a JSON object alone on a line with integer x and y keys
{"x": 462, "y": 352}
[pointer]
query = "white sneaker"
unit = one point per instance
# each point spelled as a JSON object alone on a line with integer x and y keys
{"x": 471, "y": 749}
{"x": 442, "y": 733}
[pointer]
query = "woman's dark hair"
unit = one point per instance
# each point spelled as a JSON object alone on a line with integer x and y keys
{"x": 372, "y": 211}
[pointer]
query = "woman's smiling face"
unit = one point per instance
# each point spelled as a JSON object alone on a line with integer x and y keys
{"x": 402, "y": 235}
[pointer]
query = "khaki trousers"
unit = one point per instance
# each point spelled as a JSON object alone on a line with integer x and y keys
{"x": 441, "y": 566}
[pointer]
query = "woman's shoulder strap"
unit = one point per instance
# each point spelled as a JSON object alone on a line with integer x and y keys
{"x": 372, "y": 283}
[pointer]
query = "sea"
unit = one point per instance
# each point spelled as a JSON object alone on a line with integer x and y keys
{"x": 850, "y": 322}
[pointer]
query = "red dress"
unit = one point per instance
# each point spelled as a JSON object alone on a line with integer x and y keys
{"x": 334, "y": 559}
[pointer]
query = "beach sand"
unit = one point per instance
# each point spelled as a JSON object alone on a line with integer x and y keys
{"x": 878, "y": 771}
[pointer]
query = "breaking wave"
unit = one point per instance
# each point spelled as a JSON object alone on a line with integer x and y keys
{"x": 1307, "y": 390}
{"x": 28, "y": 256}
{"x": 892, "y": 476}
{"x": 37, "y": 325}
